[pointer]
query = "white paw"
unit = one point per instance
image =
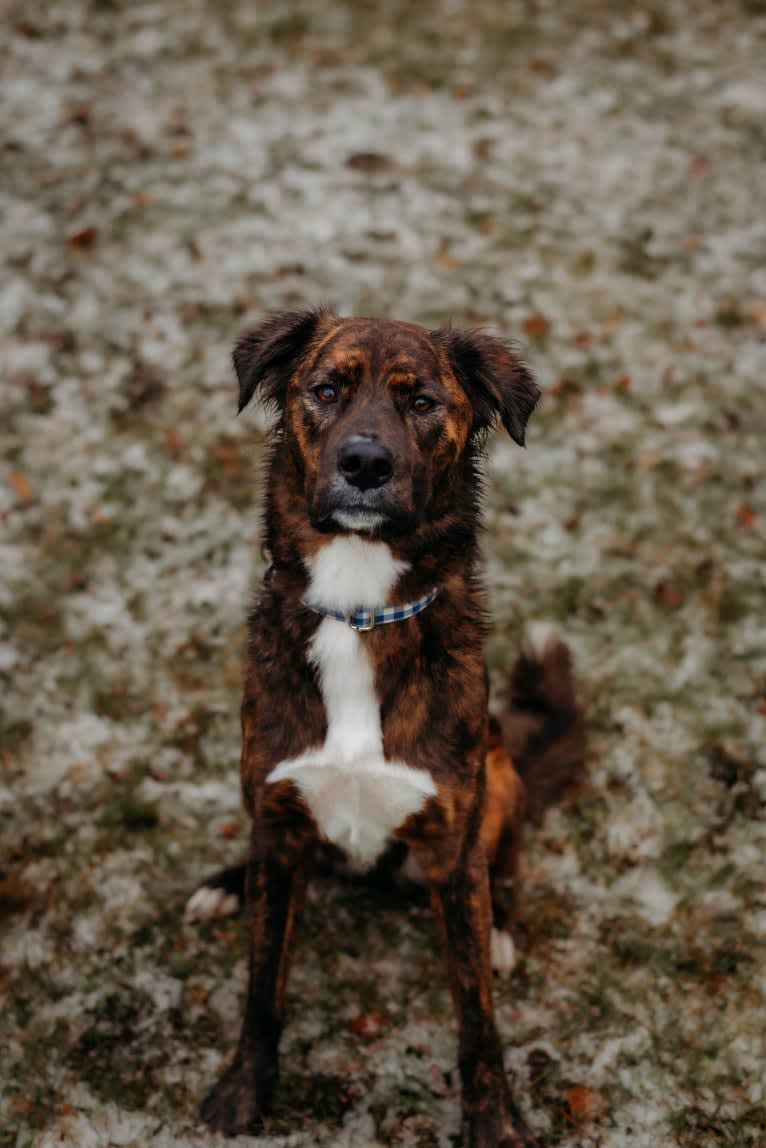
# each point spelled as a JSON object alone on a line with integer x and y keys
{"x": 502, "y": 952}
{"x": 207, "y": 902}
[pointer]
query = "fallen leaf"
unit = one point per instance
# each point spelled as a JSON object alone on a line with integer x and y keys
{"x": 745, "y": 514}
{"x": 368, "y": 161}
{"x": 83, "y": 237}
{"x": 585, "y": 1103}
{"x": 174, "y": 442}
{"x": 536, "y": 325}
{"x": 15, "y": 895}
{"x": 80, "y": 116}
{"x": 667, "y": 595}
{"x": 21, "y": 486}
{"x": 229, "y": 829}
{"x": 369, "y": 1024}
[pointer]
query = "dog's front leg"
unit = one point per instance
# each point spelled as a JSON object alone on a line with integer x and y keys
{"x": 463, "y": 911}
{"x": 245, "y": 1092}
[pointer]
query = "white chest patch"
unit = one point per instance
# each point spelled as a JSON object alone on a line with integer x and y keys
{"x": 356, "y": 796}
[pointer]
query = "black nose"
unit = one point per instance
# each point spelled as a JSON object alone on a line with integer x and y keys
{"x": 365, "y": 462}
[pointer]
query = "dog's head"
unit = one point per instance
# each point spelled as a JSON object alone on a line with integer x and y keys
{"x": 380, "y": 416}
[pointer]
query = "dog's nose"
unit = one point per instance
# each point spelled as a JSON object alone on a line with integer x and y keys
{"x": 365, "y": 462}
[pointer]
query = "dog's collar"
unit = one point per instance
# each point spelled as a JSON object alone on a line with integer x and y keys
{"x": 362, "y": 619}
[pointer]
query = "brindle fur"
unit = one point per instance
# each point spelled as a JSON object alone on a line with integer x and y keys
{"x": 429, "y": 675}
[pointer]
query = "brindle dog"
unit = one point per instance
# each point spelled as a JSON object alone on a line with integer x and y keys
{"x": 369, "y": 736}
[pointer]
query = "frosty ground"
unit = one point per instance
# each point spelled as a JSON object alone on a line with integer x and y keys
{"x": 589, "y": 177}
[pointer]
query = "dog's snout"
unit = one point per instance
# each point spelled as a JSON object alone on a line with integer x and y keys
{"x": 364, "y": 462}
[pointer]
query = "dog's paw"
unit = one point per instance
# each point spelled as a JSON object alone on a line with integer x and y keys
{"x": 233, "y": 1105}
{"x": 495, "y": 1129}
{"x": 502, "y": 952}
{"x": 209, "y": 901}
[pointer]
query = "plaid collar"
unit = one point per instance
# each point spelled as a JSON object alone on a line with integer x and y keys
{"x": 362, "y": 619}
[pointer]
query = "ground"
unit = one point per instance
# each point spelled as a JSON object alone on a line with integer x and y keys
{"x": 586, "y": 176}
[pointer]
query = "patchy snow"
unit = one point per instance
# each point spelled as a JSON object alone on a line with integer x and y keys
{"x": 588, "y": 186}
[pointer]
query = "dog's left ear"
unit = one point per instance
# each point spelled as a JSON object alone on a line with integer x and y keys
{"x": 266, "y": 357}
{"x": 494, "y": 378}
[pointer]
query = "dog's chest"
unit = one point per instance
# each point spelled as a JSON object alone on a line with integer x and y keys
{"x": 356, "y": 796}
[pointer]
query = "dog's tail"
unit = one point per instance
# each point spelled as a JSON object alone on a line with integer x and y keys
{"x": 543, "y": 725}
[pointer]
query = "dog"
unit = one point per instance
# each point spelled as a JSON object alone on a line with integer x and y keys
{"x": 365, "y": 725}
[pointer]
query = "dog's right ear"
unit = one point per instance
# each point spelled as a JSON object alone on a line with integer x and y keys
{"x": 265, "y": 358}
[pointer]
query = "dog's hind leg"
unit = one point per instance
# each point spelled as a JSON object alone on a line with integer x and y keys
{"x": 245, "y": 1092}
{"x": 501, "y": 835}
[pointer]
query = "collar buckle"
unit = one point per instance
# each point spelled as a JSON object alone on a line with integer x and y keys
{"x": 362, "y": 620}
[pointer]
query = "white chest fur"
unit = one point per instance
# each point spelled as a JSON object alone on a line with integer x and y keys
{"x": 356, "y": 796}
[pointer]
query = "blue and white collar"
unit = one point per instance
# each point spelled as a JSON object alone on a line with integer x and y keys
{"x": 363, "y": 619}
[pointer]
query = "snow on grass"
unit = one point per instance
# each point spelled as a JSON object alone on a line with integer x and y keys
{"x": 587, "y": 181}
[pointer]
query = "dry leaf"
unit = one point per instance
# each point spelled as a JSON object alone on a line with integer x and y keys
{"x": 369, "y": 1024}
{"x": 21, "y": 486}
{"x": 745, "y": 514}
{"x": 536, "y": 325}
{"x": 83, "y": 237}
{"x": 585, "y": 1103}
{"x": 229, "y": 829}
{"x": 368, "y": 161}
{"x": 667, "y": 595}
{"x": 174, "y": 442}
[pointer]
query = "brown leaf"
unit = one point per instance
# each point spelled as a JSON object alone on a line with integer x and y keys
{"x": 585, "y": 1103}
{"x": 21, "y": 486}
{"x": 229, "y": 829}
{"x": 369, "y": 1024}
{"x": 83, "y": 237}
{"x": 665, "y": 594}
{"x": 174, "y": 442}
{"x": 536, "y": 325}
{"x": 745, "y": 515}
{"x": 225, "y": 451}
{"x": 368, "y": 161}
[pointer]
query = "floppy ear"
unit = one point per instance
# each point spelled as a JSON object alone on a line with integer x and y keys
{"x": 265, "y": 358}
{"x": 494, "y": 378}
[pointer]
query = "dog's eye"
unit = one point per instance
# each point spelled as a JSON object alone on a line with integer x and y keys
{"x": 421, "y": 404}
{"x": 326, "y": 392}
